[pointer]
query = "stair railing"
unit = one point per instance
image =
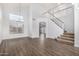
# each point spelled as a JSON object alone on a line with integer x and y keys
{"x": 56, "y": 20}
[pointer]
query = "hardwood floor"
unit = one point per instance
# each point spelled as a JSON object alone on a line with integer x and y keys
{"x": 36, "y": 47}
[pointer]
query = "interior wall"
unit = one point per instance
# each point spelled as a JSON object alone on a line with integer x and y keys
{"x": 67, "y": 16}
{"x": 76, "y": 12}
{"x": 0, "y": 23}
{"x": 30, "y": 31}
{"x": 13, "y": 8}
{"x": 52, "y": 30}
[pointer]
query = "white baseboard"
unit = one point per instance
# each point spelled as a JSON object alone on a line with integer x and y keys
{"x": 14, "y": 36}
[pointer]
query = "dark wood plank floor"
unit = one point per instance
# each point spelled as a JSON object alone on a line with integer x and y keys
{"x": 36, "y": 47}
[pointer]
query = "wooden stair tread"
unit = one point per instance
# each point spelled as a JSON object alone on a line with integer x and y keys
{"x": 71, "y": 36}
{"x": 67, "y": 38}
{"x": 66, "y": 42}
{"x": 68, "y": 33}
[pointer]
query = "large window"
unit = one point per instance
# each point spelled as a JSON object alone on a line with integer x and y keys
{"x": 16, "y": 24}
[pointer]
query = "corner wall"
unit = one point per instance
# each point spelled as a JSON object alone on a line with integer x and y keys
{"x": 0, "y": 23}
{"x": 76, "y": 12}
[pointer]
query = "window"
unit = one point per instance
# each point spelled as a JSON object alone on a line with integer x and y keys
{"x": 16, "y": 24}
{"x": 16, "y": 17}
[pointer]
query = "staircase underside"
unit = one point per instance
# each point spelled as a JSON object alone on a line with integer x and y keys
{"x": 67, "y": 38}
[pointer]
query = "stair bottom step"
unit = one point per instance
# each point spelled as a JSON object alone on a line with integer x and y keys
{"x": 68, "y": 39}
{"x": 66, "y": 42}
{"x": 68, "y": 33}
{"x": 69, "y": 36}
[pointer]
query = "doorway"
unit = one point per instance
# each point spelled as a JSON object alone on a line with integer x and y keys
{"x": 42, "y": 30}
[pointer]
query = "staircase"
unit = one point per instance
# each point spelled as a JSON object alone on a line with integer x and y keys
{"x": 66, "y": 38}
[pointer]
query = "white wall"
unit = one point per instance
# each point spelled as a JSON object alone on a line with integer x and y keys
{"x": 39, "y": 8}
{"x": 30, "y": 22}
{"x": 52, "y": 30}
{"x": 67, "y": 16}
{"x": 76, "y": 24}
{"x": 14, "y": 9}
{"x": 0, "y": 24}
